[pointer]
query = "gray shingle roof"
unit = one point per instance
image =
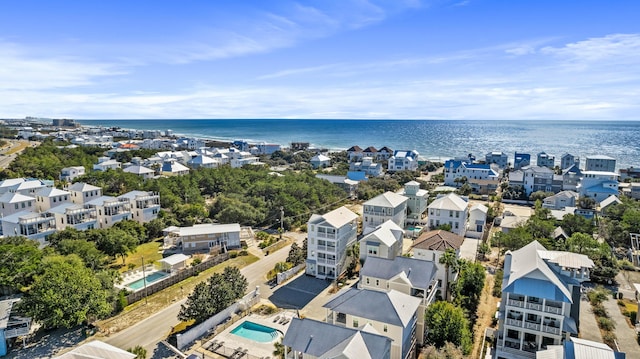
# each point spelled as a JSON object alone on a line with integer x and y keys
{"x": 419, "y": 272}
{"x": 320, "y": 339}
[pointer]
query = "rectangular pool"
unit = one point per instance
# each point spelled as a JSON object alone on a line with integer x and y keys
{"x": 153, "y": 277}
{"x": 256, "y": 332}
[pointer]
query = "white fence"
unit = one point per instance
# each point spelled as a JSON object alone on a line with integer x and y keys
{"x": 284, "y": 276}
{"x": 191, "y": 335}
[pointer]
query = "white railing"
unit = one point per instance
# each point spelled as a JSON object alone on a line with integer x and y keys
{"x": 532, "y": 326}
{"x": 552, "y": 310}
{"x": 516, "y": 303}
{"x": 534, "y": 306}
{"x": 514, "y": 322}
{"x": 552, "y": 330}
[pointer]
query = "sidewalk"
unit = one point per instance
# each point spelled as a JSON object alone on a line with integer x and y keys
{"x": 626, "y": 336}
{"x": 588, "y": 326}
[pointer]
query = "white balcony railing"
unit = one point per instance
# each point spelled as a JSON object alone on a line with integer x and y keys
{"x": 516, "y": 303}
{"x": 532, "y": 326}
{"x": 514, "y": 322}
{"x": 552, "y": 310}
{"x": 552, "y": 330}
{"x": 534, "y": 306}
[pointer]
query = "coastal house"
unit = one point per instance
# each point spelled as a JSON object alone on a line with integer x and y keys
{"x": 395, "y": 316}
{"x": 600, "y": 163}
{"x": 80, "y": 217}
{"x": 536, "y": 178}
{"x": 561, "y": 200}
{"x": 411, "y": 276}
{"x": 329, "y": 235}
{"x": 521, "y": 160}
{"x": 456, "y": 173}
{"x": 264, "y": 148}
{"x": 30, "y": 186}
{"x": 106, "y": 163}
{"x": 349, "y": 186}
{"x": 384, "y": 207}
{"x": 449, "y": 209}
{"x": 571, "y": 178}
{"x": 384, "y": 241}
{"x": 35, "y": 226}
{"x": 111, "y": 210}
{"x": 540, "y": 303}
{"x": 370, "y": 152}
{"x": 567, "y": 160}
{"x": 82, "y": 193}
{"x": 320, "y": 161}
{"x": 171, "y": 167}
{"x": 417, "y": 200}
{"x": 9, "y": 184}
{"x": 629, "y": 173}
{"x": 11, "y": 326}
{"x": 68, "y": 174}
{"x": 403, "y": 160}
{"x": 545, "y": 160}
{"x": 140, "y": 171}
{"x": 477, "y": 221}
{"x": 384, "y": 153}
{"x": 355, "y": 153}
{"x": 144, "y": 205}
{"x": 49, "y": 197}
{"x": 368, "y": 166}
{"x": 598, "y": 185}
{"x": 11, "y": 203}
{"x": 497, "y": 157}
{"x": 634, "y": 190}
{"x": 311, "y": 339}
{"x": 430, "y": 246}
{"x": 206, "y": 238}
{"x": 203, "y": 161}
{"x": 576, "y": 348}
{"x": 607, "y": 203}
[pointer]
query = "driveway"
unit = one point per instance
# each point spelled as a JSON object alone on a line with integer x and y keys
{"x": 298, "y": 292}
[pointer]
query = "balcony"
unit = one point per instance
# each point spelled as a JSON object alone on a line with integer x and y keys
{"x": 551, "y": 329}
{"x": 326, "y": 235}
{"x": 534, "y": 306}
{"x": 552, "y": 309}
{"x": 512, "y": 343}
{"x": 518, "y": 352}
{"x": 532, "y": 325}
{"x": 516, "y": 303}
{"x": 331, "y": 249}
{"x": 514, "y": 322}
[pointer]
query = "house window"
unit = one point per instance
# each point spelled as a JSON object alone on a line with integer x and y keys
{"x": 384, "y": 328}
{"x": 456, "y": 225}
{"x": 450, "y": 213}
{"x": 457, "y": 214}
{"x": 355, "y": 322}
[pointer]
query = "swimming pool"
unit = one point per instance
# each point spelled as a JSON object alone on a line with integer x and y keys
{"x": 153, "y": 277}
{"x": 256, "y": 332}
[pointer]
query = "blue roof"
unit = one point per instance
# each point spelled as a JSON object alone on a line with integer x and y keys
{"x": 452, "y": 164}
{"x": 357, "y": 175}
{"x": 537, "y": 288}
{"x": 478, "y": 166}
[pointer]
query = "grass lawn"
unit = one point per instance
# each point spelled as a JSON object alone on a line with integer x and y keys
{"x": 139, "y": 310}
{"x": 21, "y": 146}
{"x": 150, "y": 252}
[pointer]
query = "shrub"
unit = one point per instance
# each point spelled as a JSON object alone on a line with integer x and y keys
{"x": 633, "y": 315}
{"x": 599, "y": 311}
{"x": 497, "y": 284}
{"x": 243, "y": 253}
{"x": 598, "y": 295}
{"x": 606, "y": 324}
{"x": 233, "y": 254}
{"x": 609, "y": 338}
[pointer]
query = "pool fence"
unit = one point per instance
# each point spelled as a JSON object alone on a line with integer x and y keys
{"x": 219, "y": 321}
{"x": 175, "y": 278}
{"x": 284, "y": 276}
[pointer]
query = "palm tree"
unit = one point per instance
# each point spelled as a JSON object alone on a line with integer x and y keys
{"x": 278, "y": 350}
{"x": 139, "y": 351}
{"x": 450, "y": 261}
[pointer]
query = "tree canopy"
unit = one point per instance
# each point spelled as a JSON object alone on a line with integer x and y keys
{"x": 447, "y": 323}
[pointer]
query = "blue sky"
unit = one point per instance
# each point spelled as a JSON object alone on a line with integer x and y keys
{"x": 387, "y": 59}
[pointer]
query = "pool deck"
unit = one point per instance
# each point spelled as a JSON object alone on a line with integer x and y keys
{"x": 132, "y": 276}
{"x": 226, "y": 343}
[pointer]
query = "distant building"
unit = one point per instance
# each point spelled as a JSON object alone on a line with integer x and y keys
{"x": 35, "y": 226}
{"x": 320, "y": 161}
{"x": 567, "y": 160}
{"x": 416, "y": 203}
{"x": 144, "y": 205}
{"x": 477, "y": 221}
{"x": 68, "y": 174}
{"x": 403, "y": 160}
{"x": 631, "y": 172}
{"x": 561, "y": 200}
{"x": 600, "y": 163}
{"x": 385, "y": 241}
{"x": 598, "y": 185}
{"x": 82, "y": 193}
{"x": 49, "y": 197}
{"x": 521, "y": 160}
{"x": 545, "y": 160}
{"x": 499, "y": 158}
{"x": 140, "y": 171}
{"x": 204, "y": 238}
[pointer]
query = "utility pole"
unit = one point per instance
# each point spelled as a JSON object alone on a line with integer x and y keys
{"x": 281, "y": 221}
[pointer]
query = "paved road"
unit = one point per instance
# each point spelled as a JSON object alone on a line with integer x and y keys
{"x": 150, "y": 331}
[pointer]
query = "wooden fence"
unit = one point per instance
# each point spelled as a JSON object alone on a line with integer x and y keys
{"x": 175, "y": 278}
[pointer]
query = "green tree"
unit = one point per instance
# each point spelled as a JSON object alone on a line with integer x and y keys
{"x": 65, "y": 294}
{"x": 199, "y": 306}
{"x": 469, "y": 285}
{"x": 134, "y": 228}
{"x": 582, "y": 243}
{"x": 450, "y": 261}
{"x": 296, "y": 255}
{"x": 87, "y": 251}
{"x": 113, "y": 241}
{"x": 447, "y": 323}
{"x": 139, "y": 351}
{"x": 20, "y": 260}
{"x": 573, "y": 223}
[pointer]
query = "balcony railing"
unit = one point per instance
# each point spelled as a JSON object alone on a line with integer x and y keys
{"x": 518, "y": 352}
{"x": 516, "y": 303}
{"x": 512, "y": 344}
{"x": 534, "y": 306}
{"x": 550, "y": 329}
{"x": 326, "y": 235}
{"x": 532, "y": 325}
{"x": 514, "y": 322}
{"x": 552, "y": 310}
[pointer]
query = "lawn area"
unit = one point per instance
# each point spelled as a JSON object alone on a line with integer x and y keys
{"x": 150, "y": 252}
{"x": 19, "y": 147}
{"x": 139, "y": 310}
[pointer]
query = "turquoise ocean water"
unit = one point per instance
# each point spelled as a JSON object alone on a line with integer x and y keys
{"x": 434, "y": 139}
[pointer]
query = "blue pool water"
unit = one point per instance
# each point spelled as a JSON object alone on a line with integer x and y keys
{"x": 153, "y": 277}
{"x": 256, "y": 332}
